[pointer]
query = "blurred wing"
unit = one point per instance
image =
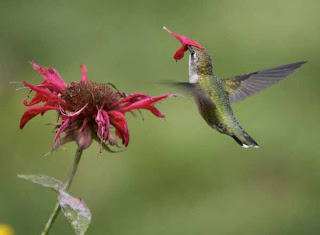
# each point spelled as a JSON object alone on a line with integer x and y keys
{"x": 193, "y": 89}
{"x": 242, "y": 86}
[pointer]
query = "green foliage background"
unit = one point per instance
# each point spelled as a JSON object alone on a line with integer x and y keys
{"x": 177, "y": 176}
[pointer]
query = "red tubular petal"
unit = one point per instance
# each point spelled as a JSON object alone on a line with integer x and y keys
{"x": 118, "y": 120}
{"x": 62, "y": 128}
{"x": 43, "y": 95}
{"x": 107, "y": 123}
{"x": 130, "y": 98}
{"x": 34, "y": 111}
{"x": 53, "y": 81}
{"x": 84, "y": 77}
{"x": 155, "y": 111}
{"x": 180, "y": 53}
{"x": 184, "y": 41}
{"x": 73, "y": 114}
{"x": 37, "y": 88}
{"x": 102, "y": 120}
{"x": 99, "y": 120}
{"x": 146, "y": 103}
{"x": 36, "y": 99}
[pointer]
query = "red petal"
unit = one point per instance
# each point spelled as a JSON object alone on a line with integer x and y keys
{"x": 38, "y": 89}
{"x": 84, "y": 77}
{"x": 130, "y": 99}
{"x": 155, "y": 111}
{"x": 34, "y": 111}
{"x": 119, "y": 121}
{"x": 72, "y": 115}
{"x": 180, "y": 53}
{"x": 184, "y": 41}
{"x": 36, "y": 99}
{"x": 146, "y": 103}
{"x": 102, "y": 120}
{"x": 43, "y": 95}
{"x": 52, "y": 81}
{"x": 107, "y": 123}
{"x": 62, "y": 128}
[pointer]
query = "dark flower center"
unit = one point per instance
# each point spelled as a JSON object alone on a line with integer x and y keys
{"x": 94, "y": 95}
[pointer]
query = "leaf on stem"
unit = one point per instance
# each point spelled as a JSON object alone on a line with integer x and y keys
{"x": 45, "y": 181}
{"x": 76, "y": 212}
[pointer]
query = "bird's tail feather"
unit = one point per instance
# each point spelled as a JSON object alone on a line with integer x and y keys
{"x": 245, "y": 141}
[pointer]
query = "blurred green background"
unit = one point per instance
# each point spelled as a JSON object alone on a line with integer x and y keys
{"x": 177, "y": 176}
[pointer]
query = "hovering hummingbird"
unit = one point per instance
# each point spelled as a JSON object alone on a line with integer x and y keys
{"x": 214, "y": 96}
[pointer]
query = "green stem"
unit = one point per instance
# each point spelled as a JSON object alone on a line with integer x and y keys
{"x": 66, "y": 188}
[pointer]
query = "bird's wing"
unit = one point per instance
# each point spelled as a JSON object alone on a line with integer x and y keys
{"x": 241, "y": 86}
{"x": 193, "y": 89}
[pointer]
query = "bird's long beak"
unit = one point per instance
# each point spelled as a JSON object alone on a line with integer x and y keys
{"x": 189, "y": 48}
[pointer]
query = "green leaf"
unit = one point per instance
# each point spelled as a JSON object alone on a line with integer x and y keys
{"x": 44, "y": 180}
{"x": 76, "y": 212}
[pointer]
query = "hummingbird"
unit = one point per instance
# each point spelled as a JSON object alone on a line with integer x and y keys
{"x": 214, "y": 96}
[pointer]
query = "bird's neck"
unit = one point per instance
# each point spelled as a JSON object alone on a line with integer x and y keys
{"x": 196, "y": 73}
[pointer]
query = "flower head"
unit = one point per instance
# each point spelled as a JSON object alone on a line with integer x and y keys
{"x": 87, "y": 110}
{"x": 185, "y": 41}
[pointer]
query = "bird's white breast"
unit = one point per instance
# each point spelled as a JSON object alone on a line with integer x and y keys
{"x": 193, "y": 75}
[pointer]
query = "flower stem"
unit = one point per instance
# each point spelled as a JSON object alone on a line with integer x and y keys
{"x": 66, "y": 188}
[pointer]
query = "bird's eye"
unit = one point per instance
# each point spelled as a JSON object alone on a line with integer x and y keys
{"x": 192, "y": 53}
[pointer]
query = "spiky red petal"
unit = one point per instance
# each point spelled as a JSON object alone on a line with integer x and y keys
{"x": 84, "y": 77}
{"x": 146, "y": 103}
{"x": 52, "y": 81}
{"x": 119, "y": 121}
{"x": 34, "y": 111}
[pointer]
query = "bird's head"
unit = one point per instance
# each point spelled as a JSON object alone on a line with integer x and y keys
{"x": 200, "y": 63}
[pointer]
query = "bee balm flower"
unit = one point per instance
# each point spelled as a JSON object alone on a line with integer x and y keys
{"x": 86, "y": 109}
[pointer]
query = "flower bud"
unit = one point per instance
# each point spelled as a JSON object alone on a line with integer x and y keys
{"x": 83, "y": 137}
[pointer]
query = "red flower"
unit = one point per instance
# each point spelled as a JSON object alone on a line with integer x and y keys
{"x": 185, "y": 41}
{"x": 88, "y": 110}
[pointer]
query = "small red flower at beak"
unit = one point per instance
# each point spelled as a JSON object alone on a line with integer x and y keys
{"x": 185, "y": 41}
